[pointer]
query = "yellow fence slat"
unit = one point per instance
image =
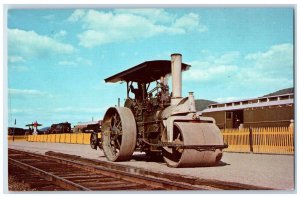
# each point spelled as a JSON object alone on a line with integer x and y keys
{"x": 79, "y": 138}
{"x": 52, "y": 138}
{"x": 40, "y": 138}
{"x": 73, "y": 138}
{"x": 68, "y": 138}
{"x": 57, "y": 137}
{"x": 62, "y": 138}
{"x": 86, "y": 138}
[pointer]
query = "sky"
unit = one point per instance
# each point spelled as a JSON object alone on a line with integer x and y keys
{"x": 58, "y": 58}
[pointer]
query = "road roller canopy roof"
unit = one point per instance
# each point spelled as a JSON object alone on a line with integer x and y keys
{"x": 145, "y": 72}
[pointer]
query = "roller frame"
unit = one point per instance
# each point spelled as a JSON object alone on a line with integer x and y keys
{"x": 189, "y": 117}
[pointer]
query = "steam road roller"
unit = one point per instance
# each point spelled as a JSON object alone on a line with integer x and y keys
{"x": 157, "y": 121}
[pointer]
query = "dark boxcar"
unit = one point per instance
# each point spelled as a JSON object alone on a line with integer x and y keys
{"x": 88, "y": 127}
{"x": 64, "y": 127}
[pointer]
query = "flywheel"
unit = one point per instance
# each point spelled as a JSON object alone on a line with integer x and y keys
{"x": 118, "y": 134}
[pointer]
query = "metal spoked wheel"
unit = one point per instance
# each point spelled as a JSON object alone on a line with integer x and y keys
{"x": 115, "y": 134}
{"x": 118, "y": 134}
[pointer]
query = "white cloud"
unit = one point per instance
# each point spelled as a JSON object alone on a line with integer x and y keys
{"x": 15, "y": 63}
{"x": 16, "y": 59}
{"x": 204, "y": 71}
{"x": 212, "y": 69}
{"x": 154, "y": 15}
{"x": 76, "y": 62}
{"x": 190, "y": 22}
{"x": 49, "y": 17}
{"x": 30, "y": 44}
{"x": 20, "y": 110}
{"x": 273, "y": 67}
{"x": 20, "y": 68}
{"x": 277, "y": 57}
{"x": 122, "y": 25}
{"x": 260, "y": 70}
{"x": 27, "y": 93}
{"x": 76, "y": 15}
{"x": 227, "y": 58}
{"x": 67, "y": 63}
{"x": 252, "y": 78}
{"x": 60, "y": 34}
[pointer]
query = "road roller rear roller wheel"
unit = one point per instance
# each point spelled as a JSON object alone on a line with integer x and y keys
{"x": 118, "y": 134}
{"x": 187, "y": 133}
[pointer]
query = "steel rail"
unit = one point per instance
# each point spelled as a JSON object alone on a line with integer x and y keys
{"x": 127, "y": 176}
{"x": 154, "y": 182}
{"x": 59, "y": 181}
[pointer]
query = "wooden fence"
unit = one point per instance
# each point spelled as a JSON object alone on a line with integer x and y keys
{"x": 77, "y": 138}
{"x": 278, "y": 140}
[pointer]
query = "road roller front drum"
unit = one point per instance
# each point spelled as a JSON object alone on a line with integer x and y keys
{"x": 187, "y": 133}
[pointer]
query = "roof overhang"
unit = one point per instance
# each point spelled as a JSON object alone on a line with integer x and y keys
{"x": 145, "y": 72}
{"x": 246, "y": 106}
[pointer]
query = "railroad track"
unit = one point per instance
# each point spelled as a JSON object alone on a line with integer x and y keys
{"x": 56, "y": 171}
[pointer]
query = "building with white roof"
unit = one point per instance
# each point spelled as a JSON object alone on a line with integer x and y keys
{"x": 268, "y": 111}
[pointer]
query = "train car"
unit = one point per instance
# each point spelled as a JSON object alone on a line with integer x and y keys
{"x": 267, "y": 111}
{"x": 88, "y": 127}
{"x": 64, "y": 127}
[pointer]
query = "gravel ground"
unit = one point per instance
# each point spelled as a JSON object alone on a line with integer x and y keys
{"x": 272, "y": 171}
{"x": 15, "y": 185}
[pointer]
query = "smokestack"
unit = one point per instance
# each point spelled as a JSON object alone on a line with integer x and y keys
{"x": 176, "y": 60}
